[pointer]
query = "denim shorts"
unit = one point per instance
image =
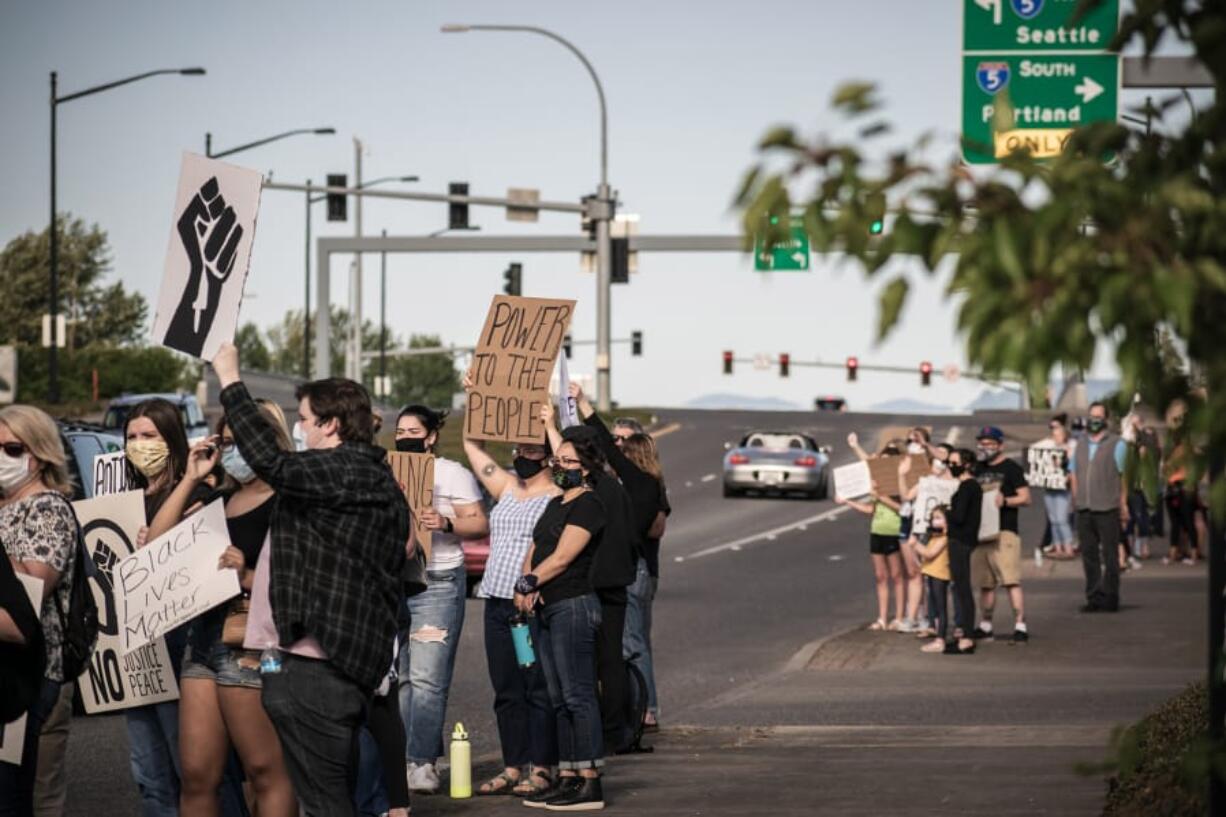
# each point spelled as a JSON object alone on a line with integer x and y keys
{"x": 225, "y": 666}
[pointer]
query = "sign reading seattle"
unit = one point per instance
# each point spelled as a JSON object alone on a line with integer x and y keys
{"x": 1055, "y": 74}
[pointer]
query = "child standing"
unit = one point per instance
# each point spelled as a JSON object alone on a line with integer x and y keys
{"x": 933, "y": 548}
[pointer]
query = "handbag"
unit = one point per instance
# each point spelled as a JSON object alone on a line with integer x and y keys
{"x": 234, "y": 630}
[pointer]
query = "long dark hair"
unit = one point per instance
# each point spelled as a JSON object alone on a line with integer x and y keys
{"x": 165, "y": 418}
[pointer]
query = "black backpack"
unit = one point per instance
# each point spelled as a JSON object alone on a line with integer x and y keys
{"x": 80, "y": 625}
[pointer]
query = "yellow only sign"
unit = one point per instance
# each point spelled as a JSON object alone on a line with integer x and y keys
{"x": 1042, "y": 143}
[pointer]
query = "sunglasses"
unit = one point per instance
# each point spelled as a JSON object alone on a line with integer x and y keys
{"x": 14, "y": 450}
{"x": 565, "y": 462}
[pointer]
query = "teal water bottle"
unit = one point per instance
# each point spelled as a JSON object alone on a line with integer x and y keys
{"x": 521, "y": 636}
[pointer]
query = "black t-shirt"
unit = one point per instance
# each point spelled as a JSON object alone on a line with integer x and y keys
{"x": 584, "y": 511}
{"x": 614, "y": 565}
{"x": 247, "y": 533}
{"x": 965, "y": 512}
{"x": 651, "y": 547}
{"x": 1010, "y": 477}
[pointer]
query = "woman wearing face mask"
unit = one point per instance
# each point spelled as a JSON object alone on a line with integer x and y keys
{"x": 930, "y": 490}
{"x": 557, "y": 575}
{"x": 1057, "y": 502}
{"x": 527, "y": 729}
{"x": 39, "y": 531}
{"x": 436, "y": 616}
{"x": 884, "y": 550}
{"x": 965, "y": 512}
{"x": 933, "y": 548}
{"x": 219, "y": 700}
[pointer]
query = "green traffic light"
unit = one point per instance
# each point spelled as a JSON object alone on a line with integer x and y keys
{"x": 774, "y": 220}
{"x": 876, "y": 227}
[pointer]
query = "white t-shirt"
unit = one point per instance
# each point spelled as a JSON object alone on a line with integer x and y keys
{"x": 453, "y": 485}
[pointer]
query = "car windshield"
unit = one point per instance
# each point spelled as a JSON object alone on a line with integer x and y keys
{"x": 115, "y": 417}
{"x": 776, "y": 442}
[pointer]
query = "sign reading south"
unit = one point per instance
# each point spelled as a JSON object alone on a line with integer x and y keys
{"x": 1050, "y": 97}
{"x": 1037, "y": 25}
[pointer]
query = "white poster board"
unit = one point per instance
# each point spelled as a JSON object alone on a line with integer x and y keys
{"x": 111, "y": 474}
{"x": 174, "y": 578}
{"x": 568, "y": 412}
{"x": 853, "y": 481}
{"x": 1047, "y": 467}
{"x": 112, "y": 680}
{"x": 932, "y": 493}
{"x": 208, "y": 256}
{"x": 989, "y": 521}
{"x": 12, "y": 735}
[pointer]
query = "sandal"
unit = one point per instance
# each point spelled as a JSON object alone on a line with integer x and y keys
{"x": 879, "y": 624}
{"x": 502, "y": 783}
{"x": 535, "y": 783}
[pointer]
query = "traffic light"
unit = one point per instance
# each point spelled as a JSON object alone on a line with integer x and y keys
{"x": 926, "y": 373}
{"x": 514, "y": 278}
{"x": 338, "y": 209}
{"x": 636, "y": 344}
{"x": 457, "y": 213}
{"x": 853, "y": 365}
{"x": 785, "y": 364}
{"x": 877, "y": 227}
{"x": 566, "y": 346}
{"x": 727, "y": 362}
{"x": 619, "y": 260}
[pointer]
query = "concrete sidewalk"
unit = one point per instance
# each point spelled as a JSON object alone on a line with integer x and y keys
{"x": 866, "y": 724}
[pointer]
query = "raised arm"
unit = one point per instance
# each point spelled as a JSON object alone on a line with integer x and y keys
{"x": 853, "y": 442}
{"x": 200, "y": 462}
{"x": 548, "y": 417}
{"x": 493, "y": 476}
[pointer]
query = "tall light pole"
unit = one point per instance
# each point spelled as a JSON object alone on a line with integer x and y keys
{"x": 601, "y": 211}
{"x": 208, "y": 141}
{"x": 354, "y": 358}
{"x": 53, "y": 361}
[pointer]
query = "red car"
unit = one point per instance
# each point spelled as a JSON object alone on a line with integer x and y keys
{"x": 476, "y": 553}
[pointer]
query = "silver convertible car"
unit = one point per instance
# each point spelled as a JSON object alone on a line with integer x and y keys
{"x": 777, "y": 461}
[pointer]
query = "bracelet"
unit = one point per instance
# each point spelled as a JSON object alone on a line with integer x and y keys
{"x": 526, "y": 584}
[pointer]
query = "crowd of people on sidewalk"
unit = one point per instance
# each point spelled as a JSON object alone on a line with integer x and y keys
{"x": 332, "y": 699}
{"x": 932, "y": 552}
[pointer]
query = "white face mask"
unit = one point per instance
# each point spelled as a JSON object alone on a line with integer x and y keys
{"x": 14, "y": 472}
{"x": 938, "y": 467}
{"x": 300, "y": 440}
{"x": 915, "y": 448}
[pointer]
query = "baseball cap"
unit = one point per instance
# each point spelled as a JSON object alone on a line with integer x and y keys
{"x": 991, "y": 433}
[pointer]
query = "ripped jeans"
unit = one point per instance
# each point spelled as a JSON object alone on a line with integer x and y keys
{"x": 427, "y": 659}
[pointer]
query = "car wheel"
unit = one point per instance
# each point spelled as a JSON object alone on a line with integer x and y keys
{"x": 730, "y": 492}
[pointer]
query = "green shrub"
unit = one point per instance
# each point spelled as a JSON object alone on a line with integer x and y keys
{"x": 120, "y": 369}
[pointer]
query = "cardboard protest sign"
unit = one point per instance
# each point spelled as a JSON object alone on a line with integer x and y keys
{"x": 989, "y": 520}
{"x": 852, "y": 481}
{"x": 174, "y": 578}
{"x": 110, "y": 524}
{"x": 1047, "y": 467}
{"x": 415, "y": 475}
{"x": 12, "y": 734}
{"x": 884, "y": 471}
{"x": 512, "y": 367}
{"x": 111, "y": 475}
{"x": 932, "y": 493}
{"x": 208, "y": 256}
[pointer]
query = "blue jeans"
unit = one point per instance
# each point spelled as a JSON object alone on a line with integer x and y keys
{"x": 17, "y": 782}
{"x": 153, "y": 753}
{"x": 428, "y": 659}
{"x": 568, "y": 656}
{"x": 636, "y": 641}
{"x": 1059, "y": 506}
{"x": 527, "y": 729}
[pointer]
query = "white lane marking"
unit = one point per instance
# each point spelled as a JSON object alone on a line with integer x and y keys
{"x": 835, "y": 557}
{"x": 769, "y": 535}
{"x": 710, "y": 477}
{"x": 668, "y": 429}
{"x": 689, "y": 484}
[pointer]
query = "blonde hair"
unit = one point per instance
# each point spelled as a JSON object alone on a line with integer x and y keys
{"x": 39, "y": 433}
{"x": 275, "y": 417}
{"x": 641, "y": 450}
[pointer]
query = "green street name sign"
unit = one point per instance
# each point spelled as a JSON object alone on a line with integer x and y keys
{"x": 790, "y": 256}
{"x": 1055, "y": 77}
{"x": 1036, "y": 25}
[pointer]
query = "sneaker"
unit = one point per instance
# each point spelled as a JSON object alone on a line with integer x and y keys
{"x": 1019, "y": 637}
{"x": 1188, "y": 562}
{"x": 423, "y": 779}
{"x": 560, "y": 786}
{"x": 981, "y": 633}
{"x": 1134, "y": 563}
{"x": 587, "y": 796}
{"x": 1091, "y": 607}
{"x": 906, "y": 625}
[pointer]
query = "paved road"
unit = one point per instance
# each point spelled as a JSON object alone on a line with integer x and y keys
{"x": 735, "y": 604}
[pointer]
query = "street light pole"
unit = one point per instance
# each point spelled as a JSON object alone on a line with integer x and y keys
{"x": 601, "y": 212}
{"x": 208, "y": 141}
{"x": 53, "y": 361}
{"x": 355, "y": 285}
{"x": 382, "y": 319}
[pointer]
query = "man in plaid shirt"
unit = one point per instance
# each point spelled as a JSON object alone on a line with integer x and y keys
{"x": 339, "y": 530}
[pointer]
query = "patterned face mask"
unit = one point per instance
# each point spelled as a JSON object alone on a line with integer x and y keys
{"x": 148, "y": 456}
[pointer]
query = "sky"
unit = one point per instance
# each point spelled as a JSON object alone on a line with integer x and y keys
{"x": 691, "y": 86}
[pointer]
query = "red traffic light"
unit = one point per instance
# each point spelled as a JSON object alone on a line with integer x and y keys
{"x": 728, "y": 362}
{"x": 852, "y": 365}
{"x": 785, "y": 362}
{"x": 926, "y": 373}
{"x": 926, "y": 367}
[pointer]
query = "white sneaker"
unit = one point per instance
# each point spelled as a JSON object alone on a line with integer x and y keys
{"x": 423, "y": 779}
{"x": 1134, "y": 563}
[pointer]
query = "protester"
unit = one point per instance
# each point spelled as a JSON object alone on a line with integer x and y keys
{"x": 23, "y": 661}
{"x": 39, "y": 532}
{"x": 1181, "y": 495}
{"x": 219, "y": 691}
{"x": 623, "y": 427}
{"x": 1058, "y": 502}
{"x": 1101, "y": 498}
{"x": 339, "y": 531}
{"x": 965, "y": 512}
{"x": 998, "y": 563}
{"x": 436, "y": 616}
{"x": 1141, "y": 478}
{"x": 933, "y": 548}
{"x": 884, "y": 550}
{"x": 527, "y": 728}
{"x": 558, "y": 576}
{"x": 940, "y": 486}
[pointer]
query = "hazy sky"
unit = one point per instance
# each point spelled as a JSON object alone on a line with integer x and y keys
{"x": 690, "y": 85}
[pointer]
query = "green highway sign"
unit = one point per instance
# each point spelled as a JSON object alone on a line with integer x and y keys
{"x": 790, "y": 256}
{"x": 1051, "y": 95}
{"x": 1036, "y": 25}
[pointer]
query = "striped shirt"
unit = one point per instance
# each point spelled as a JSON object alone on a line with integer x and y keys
{"x": 511, "y": 524}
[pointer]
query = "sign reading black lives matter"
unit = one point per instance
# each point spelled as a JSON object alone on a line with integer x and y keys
{"x": 512, "y": 367}
{"x": 113, "y": 680}
{"x": 208, "y": 256}
{"x": 174, "y": 578}
{"x": 1047, "y": 467}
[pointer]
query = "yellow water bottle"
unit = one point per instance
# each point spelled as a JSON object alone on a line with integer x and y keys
{"x": 461, "y": 764}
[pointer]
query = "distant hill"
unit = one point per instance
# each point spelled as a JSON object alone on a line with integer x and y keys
{"x": 743, "y": 402}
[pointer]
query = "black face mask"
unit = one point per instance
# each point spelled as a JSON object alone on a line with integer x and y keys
{"x": 957, "y": 469}
{"x": 526, "y": 468}
{"x": 1096, "y": 424}
{"x": 411, "y": 445}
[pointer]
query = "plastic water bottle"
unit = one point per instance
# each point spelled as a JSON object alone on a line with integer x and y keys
{"x": 461, "y": 764}
{"x": 521, "y": 636}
